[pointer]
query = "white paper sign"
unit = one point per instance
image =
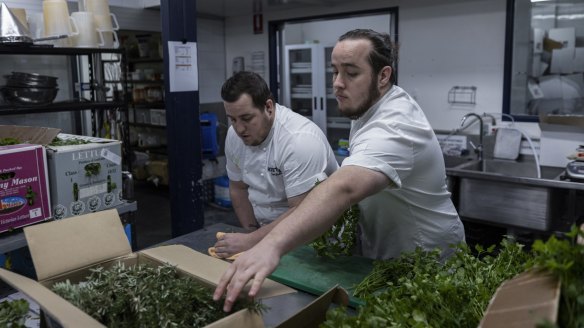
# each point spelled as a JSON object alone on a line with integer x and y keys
{"x": 183, "y": 68}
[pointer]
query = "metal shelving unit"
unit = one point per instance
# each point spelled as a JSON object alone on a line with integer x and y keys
{"x": 308, "y": 90}
{"x": 86, "y": 96}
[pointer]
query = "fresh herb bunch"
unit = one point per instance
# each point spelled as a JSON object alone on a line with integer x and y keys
{"x": 417, "y": 290}
{"x": 145, "y": 296}
{"x": 564, "y": 258}
{"x": 9, "y": 141}
{"x": 68, "y": 142}
{"x": 340, "y": 239}
{"x": 14, "y": 313}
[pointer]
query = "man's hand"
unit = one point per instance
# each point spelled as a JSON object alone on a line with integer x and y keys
{"x": 255, "y": 265}
{"x": 232, "y": 243}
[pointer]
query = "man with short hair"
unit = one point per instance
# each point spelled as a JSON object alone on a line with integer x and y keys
{"x": 395, "y": 172}
{"x": 274, "y": 157}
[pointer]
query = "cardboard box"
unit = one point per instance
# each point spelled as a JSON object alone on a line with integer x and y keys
{"x": 85, "y": 178}
{"x": 561, "y": 135}
{"x": 24, "y": 186}
{"x": 523, "y": 301}
{"x": 82, "y": 178}
{"x": 158, "y": 171}
{"x": 67, "y": 249}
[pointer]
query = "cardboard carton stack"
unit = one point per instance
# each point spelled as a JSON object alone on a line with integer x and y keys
{"x": 82, "y": 178}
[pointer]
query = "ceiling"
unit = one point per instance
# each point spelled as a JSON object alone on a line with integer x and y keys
{"x": 227, "y": 8}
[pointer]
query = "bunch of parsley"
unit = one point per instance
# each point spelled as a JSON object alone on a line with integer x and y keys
{"x": 418, "y": 290}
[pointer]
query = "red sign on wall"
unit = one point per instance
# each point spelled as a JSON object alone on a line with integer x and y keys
{"x": 258, "y": 24}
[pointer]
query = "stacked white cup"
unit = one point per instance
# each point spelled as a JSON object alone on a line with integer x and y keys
{"x": 103, "y": 21}
{"x": 57, "y": 22}
{"x": 89, "y": 35}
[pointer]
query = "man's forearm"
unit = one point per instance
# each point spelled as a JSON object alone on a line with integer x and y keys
{"x": 243, "y": 209}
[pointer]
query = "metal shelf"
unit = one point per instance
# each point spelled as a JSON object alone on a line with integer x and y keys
{"x": 61, "y": 106}
{"x": 49, "y": 50}
{"x": 145, "y": 60}
{"x": 147, "y": 125}
{"x": 10, "y": 241}
{"x": 152, "y": 105}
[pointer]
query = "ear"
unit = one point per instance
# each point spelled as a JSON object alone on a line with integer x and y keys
{"x": 385, "y": 76}
{"x": 270, "y": 107}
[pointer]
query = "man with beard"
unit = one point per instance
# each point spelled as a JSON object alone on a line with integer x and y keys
{"x": 274, "y": 157}
{"x": 395, "y": 172}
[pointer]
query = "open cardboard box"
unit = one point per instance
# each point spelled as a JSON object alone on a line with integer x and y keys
{"x": 68, "y": 248}
{"x": 523, "y": 301}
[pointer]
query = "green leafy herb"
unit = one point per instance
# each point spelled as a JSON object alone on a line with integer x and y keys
{"x": 417, "y": 290}
{"x": 340, "y": 239}
{"x": 9, "y": 141}
{"x": 145, "y": 296}
{"x": 68, "y": 142}
{"x": 14, "y": 313}
{"x": 564, "y": 257}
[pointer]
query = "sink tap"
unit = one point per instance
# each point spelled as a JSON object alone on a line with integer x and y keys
{"x": 479, "y": 147}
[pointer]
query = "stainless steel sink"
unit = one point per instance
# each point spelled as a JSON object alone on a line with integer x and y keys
{"x": 453, "y": 161}
{"x": 517, "y": 169}
{"x": 508, "y": 193}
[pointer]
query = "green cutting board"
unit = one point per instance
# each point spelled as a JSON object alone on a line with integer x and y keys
{"x": 303, "y": 270}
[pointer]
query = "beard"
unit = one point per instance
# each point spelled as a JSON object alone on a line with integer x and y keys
{"x": 372, "y": 97}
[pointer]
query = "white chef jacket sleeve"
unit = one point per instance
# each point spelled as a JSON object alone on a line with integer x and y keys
{"x": 382, "y": 148}
{"x": 233, "y": 156}
{"x": 304, "y": 163}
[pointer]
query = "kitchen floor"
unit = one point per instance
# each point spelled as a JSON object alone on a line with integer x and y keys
{"x": 153, "y": 219}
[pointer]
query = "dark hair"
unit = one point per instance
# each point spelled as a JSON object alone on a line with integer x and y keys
{"x": 246, "y": 82}
{"x": 383, "y": 53}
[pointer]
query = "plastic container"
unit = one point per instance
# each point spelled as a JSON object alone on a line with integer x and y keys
{"x": 222, "y": 197}
{"x": 210, "y": 147}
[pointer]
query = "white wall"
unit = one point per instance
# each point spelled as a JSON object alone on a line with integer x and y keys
{"x": 211, "y": 57}
{"x": 442, "y": 44}
{"x": 327, "y": 32}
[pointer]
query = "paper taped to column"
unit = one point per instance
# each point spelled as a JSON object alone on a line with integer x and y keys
{"x": 183, "y": 70}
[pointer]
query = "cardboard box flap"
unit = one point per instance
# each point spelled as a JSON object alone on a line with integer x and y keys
{"x": 29, "y": 134}
{"x": 60, "y": 246}
{"x": 59, "y": 309}
{"x": 314, "y": 313}
{"x": 524, "y": 301}
{"x": 207, "y": 268}
{"x": 241, "y": 318}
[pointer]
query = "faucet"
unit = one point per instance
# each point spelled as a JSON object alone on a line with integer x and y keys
{"x": 479, "y": 148}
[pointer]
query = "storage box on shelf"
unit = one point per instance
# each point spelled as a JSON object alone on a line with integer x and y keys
{"x": 24, "y": 188}
{"x": 85, "y": 177}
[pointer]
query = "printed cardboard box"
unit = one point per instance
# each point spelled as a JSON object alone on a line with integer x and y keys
{"x": 84, "y": 178}
{"x": 24, "y": 188}
{"x": 67, "y": 249}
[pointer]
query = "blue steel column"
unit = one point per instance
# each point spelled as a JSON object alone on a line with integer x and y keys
{"x": 179, "y": 23}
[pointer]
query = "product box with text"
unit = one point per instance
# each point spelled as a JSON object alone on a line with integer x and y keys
{"x": 24, "y": 192}
{"x": 85, "y": 175}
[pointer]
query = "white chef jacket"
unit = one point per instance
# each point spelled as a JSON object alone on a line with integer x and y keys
{"x": 294, "y": 156}
{"x": 394, "y": 137}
